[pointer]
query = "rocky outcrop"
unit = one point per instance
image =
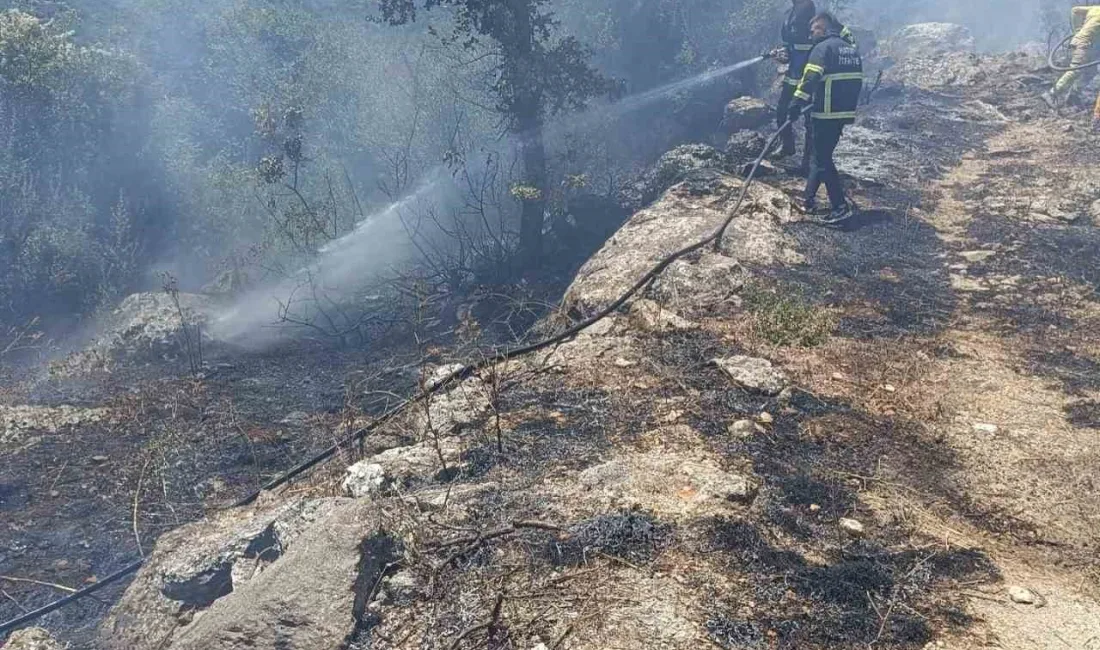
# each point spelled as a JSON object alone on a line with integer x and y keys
{"x": 145, "y": 326}
{"x": 673, "y": 167}
{"x": 744, "y": 146}
{"x": 684, "y": 215}
{"x": 151, "y": 322}
{"x": 928, "y": 40}
{"x": 293, "y": 576}
{"x": 393, "y": 468}
{"x": 747, "y": 113}
{"x": 32, "y": 638}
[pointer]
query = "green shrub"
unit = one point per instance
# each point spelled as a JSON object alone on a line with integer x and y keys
{"x": 782, "y": 316}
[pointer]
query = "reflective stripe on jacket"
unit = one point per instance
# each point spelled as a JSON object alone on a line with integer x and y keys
{"x": 832, "y": 80}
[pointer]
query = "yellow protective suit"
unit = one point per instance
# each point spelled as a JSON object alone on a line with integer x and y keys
{"x": 1086, "y": 48}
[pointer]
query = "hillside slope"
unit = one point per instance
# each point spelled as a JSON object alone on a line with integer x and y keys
{"x": 878, "y": 436}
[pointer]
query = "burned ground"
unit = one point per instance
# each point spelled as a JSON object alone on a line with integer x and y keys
{"x": 935, "y": 446}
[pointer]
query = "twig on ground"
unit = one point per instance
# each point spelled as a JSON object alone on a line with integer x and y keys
{"x": 52, "y": 585}
{"x": 14, "y": 601}
{"x": 137, "y": 504}
{"x": 488, "y": 625}
{"x": 57, "y": 478}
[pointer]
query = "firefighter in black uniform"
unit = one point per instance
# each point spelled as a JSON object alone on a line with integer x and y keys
{"x": 794, "y": 52}
{"x": 830, "y": 88}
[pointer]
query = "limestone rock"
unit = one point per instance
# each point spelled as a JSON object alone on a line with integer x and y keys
{"x": 144, "y": 326}
{"x": 363, "y": 479}
{"x": 668, "y": 483}
{"x": 649, "y": 316}
{"x": 682, "y": 217}
{"x": 1021, "y": 595}
{"x": 744, "y": 429}
{"x": 753, "y": 373}
{"x": 32, "y": 638}
{"x": 747, "y": 113}
{"x": 450, "y": 411}
{"x": 674, "y": 167}
{"x": 745, "y": 145}
{"x": 975, "y": 257}
{"x": 852, "y": 527}
{"x": 400, "y": 465}
{"x": 987, "y": 429}
{"x": 288, "y": 578}
{"x": 929, "y": 40}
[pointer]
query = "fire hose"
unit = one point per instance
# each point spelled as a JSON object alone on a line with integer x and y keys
{"x": 1071, "y": 68}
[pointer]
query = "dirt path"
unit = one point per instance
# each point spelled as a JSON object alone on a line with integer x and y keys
{"x": 1016, "y": 393}
{"x": 1014, "y": 386}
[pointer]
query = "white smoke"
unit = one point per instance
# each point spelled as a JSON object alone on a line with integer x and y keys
{"x": 379, "y": 245}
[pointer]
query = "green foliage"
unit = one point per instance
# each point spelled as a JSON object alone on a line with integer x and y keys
{"x": 59, "y": 155}
{"x": 782, "y": 316}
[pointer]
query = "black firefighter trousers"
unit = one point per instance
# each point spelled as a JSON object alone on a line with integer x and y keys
{"x": 825, "y": 135}
{"x": 786, "y": 138}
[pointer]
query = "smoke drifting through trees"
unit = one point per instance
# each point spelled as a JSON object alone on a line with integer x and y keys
{"x": 243, "y": 136}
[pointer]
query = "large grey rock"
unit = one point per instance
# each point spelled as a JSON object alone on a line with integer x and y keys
{"x": 928, "y": 40}
{"x": 745, "y": 145}
{"x": 151, "y": 321}
{"x": 289, "y": 577}
{"x": 942, "y": 71}
{"x": 754, "y": 374}
{"x": 747, "y": 113}
{"x": 144, "y": 326}
{"x": 32, "y": 638}
{"x": 675, "y": 166}
{"x": 684, "y": 215}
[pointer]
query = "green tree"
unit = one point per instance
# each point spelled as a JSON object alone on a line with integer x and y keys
{"x": 536, "y": 74}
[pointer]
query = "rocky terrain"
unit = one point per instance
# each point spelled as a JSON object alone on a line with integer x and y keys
{"x": 877, "y": 436}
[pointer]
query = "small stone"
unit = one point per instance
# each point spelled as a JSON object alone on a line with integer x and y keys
{"x": 100, "y": 459}
{"x": 623, "y": 363}
{"x": 852, "y": 527}
{"x": 765, "y": 418}
{"x": 297, "y": 418}
{"x": 975, "y": 257}
{"x": 988, "y": 429}
{"x": 815, "y": 508}
{"x": 889, "y": 388}
{"x": 54, "y": 493}
{"x": 364, "y": 479}
{"x": 838, "y": 376}
{"x": 1021, "y": 595}
{"x": 753, "y": 374}
{"x": 743, "y": 429}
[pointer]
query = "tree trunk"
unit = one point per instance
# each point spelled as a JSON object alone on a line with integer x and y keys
{"x": 526, "y": 108}
{"x": 534, "y": 171}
